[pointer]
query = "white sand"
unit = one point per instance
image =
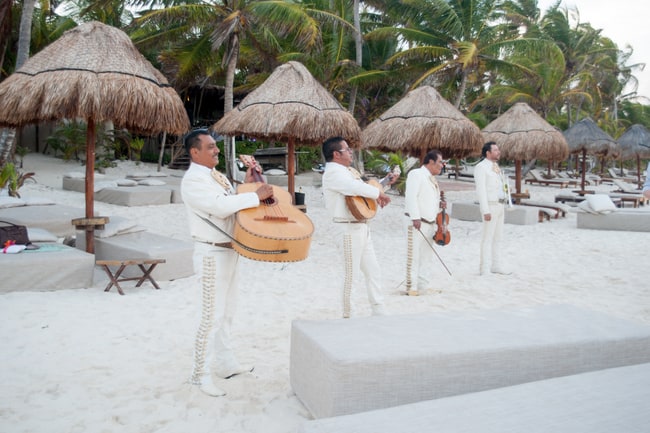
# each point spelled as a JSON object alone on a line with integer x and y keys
{"x": 87, "y": 361}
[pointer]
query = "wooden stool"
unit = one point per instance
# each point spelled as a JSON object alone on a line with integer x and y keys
{"x": 115, "y": 277}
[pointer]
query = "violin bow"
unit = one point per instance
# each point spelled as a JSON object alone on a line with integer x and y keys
{"x": 434, "y": 250}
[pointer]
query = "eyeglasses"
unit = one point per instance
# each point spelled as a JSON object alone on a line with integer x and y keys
{"x": 345, "y": 150}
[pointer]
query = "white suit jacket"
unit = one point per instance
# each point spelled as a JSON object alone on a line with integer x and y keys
{"x": 338, "y": 182}
{"x": 489, "y": 185}
{"x": 204, "y": 196}
{"x": 422, "y": 199}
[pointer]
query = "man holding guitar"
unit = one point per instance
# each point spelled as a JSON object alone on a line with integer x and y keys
{"x": 211, "y": 200}
{"x": 339, "y": 181}
{"x": 423, "y": 203}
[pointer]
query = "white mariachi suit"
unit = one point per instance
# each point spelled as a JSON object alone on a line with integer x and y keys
{"x": 490, "y": 189}
{"x": 422, "y": 201}
{"x": 208, "y": 193}
{"x": 359, "y": 253}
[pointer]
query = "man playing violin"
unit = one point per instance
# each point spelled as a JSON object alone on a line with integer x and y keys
{"x": 208, "y": 194}
{"x": 339, "y": 181}
{"x": 422, "y": 202}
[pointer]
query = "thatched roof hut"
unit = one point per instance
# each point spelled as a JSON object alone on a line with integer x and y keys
{"x": 522, "y": 134}
{"x": 290, "y": 107}
{"x": 92, "y": 72}
{"x": 421, "y": 121}
{"x": 585, "y": 137}
{"x": 635, "y": 144}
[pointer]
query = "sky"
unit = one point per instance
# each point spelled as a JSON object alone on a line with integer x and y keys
{"x": 624, "y": 22}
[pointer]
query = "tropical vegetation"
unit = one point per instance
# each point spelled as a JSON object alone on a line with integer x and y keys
{"x": 482, "y": 55}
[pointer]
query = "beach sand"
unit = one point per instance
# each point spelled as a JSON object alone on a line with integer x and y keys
{"x": 81, "y": 360}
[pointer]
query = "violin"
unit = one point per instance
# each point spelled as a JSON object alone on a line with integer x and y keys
{"x": 442, "y": 235}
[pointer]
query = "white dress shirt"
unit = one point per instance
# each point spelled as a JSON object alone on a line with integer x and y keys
{"x": 204, "y": 196}
{"x": 339, "y": 182}
{"x": 422, "y": 198}
{"x": 489, "y": 184}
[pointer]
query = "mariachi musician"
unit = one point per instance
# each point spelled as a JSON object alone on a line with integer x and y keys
{"x": 423, "y": 204}
{"x": 208, "y": 194}
{"x": 341, "y": 180}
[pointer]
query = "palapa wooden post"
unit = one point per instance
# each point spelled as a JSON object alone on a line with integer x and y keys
{"x": 90, "y": 182}
{"x": 291, "y": 162}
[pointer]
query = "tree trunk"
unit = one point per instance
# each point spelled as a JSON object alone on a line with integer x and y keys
{"x": 461, "y": 90}
{"x": 25, "y": 35}
{"x": 358, "y": 43}
{"x": 228, "y": 142}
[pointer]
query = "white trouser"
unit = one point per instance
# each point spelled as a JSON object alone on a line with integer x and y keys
{"x": 359, "y": 255}
{"x": 420, "y": 257}
{"x": 491, "y": 239}
{"x": 216, "y": 270}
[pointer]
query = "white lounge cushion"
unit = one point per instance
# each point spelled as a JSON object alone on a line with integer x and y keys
{"x": 126, "y": 182}
{"x": 151, "y": 182}
{"x": 604, "y": 401}
{"x": 74, "y": 175}
{"x": 118, "y": 226}
{"x": 585, "y": 206}
{"x": 600, "y": 203}
{"x": 36, "y": 234}
{"x": 347, "y": 366}
{"x": 98, "y": 186}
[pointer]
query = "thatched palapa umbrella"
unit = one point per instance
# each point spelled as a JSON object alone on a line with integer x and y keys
{"x": 292, "y": 107}
{"x": 421, "y": 121}
{"x": 586, "y": 137}
{"x": 92, "y": 72}
{"x": 635, "y": 143}
{"x": 522, "y": 134}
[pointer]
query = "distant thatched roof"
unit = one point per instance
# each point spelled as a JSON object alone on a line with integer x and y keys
{"x": 290, "y": 104}
{"x": 634, "y": 142}
{"x": 585, "y": 135}
{"x": 92, "y": 72}
{"x": 423, "y": 120}
{"x": 522, "y": 134}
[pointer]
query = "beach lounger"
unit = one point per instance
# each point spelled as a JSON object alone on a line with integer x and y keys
{"x": 55, "y": 218}
{"x": 631, "y": 220}
{"x": 144, "y": 245}
{"x": 519, "y": 215}
{"x": 53, "y": 266}
{"x": 129, "y": 192}
{"x": 538, "y": 178}
{"x": 347, "y": 366}
{"x": 615, "y": 174}
{"x": 598, "y": 212}
{"x": 558, "y": 209}
{"x": 626, "y": 187}
{"x": 604, "y": 401}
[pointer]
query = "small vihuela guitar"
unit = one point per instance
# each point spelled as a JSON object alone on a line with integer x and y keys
{"x": 363, "y": 208}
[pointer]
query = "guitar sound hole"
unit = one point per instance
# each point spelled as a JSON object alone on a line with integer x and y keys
{"x": 270, "y": 201}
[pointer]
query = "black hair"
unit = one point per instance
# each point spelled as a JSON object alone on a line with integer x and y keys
{"x": 330, "y": 146}
{"x": 486, "y": 148}
{"x": 431, "y": 155}
{"x": 191, "y": 139}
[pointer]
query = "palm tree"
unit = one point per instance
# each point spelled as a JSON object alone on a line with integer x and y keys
{"x": 454, "y": 45}
{"x": 197, "y": 33}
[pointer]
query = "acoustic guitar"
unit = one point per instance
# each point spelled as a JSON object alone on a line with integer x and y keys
{"x": 276, "y": 230}
{"x": 364, "y": 208}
